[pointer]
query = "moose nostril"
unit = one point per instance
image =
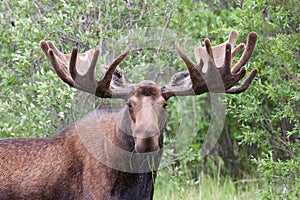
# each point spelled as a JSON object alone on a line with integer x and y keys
{"x": 144, "y": 145}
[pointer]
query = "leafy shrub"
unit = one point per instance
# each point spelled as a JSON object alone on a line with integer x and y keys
{"x": 261, "y": 134}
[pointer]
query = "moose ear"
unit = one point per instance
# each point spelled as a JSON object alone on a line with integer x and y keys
{"x": 119, "y": 79}
{"x": 181, "y": 79}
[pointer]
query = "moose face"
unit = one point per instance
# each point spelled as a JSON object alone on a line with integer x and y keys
{"x": 147, "y": 110}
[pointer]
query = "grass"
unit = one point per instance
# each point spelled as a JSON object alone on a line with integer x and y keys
{"x": 177, "y": 188}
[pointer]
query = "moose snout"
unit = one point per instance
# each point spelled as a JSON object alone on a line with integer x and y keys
{"x": 146, "y": 130}
{"x": 144, "y": 145}
{"x": 146, "y": 138}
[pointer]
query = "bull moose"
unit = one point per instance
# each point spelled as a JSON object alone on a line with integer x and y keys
{"x": 62, "y": 167}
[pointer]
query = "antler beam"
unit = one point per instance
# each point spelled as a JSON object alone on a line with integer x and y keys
{"x": 67, "y": 66}
{"x": 213, "y": 72}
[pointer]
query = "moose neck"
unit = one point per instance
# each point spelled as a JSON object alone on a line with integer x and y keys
{"x": 134, "y": 185}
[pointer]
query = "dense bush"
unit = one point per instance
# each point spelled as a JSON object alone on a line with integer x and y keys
{"x": 260, "y": 140}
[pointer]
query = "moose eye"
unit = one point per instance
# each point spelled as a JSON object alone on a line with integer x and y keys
{"x": 165, "y": 105}
{"x": 129, "y": 105}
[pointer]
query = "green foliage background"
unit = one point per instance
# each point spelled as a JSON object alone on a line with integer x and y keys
{"x": 260, "y": 141}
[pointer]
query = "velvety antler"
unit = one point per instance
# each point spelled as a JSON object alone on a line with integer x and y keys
{"x": 213, "y": 72}
{"x": 67, "y": 66}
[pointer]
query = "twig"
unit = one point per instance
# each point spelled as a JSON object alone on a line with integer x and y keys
{"x": 12, "y": 20}
{"x": 100, "y": 22}
{"x": 165, "y": 28}
{"x": 291, "y": 76}
{"x": 131, "y": 16}
{"x": 246, "y": 180}
{"x": 162, "y": 37}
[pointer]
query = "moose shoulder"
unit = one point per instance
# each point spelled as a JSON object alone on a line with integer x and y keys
{"x": 117, "y": 167}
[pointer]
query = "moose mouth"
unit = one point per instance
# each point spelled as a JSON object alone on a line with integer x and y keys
{"x": 148, "y": 144}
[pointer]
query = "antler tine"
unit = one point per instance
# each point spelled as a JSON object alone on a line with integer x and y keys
{"x": 189, "y": 64}
{"x": 232, "y": 40}
{"x": 91, "y": 70}
{"x": 228, "y": 58}
{"x": 103, "y": 86}
{"x": 86, "y": 82}
{"x": 245, "y": 85}
{"x": 56, "y": 51}
{"x": 233, "y": 37}
{"x": 72, "y": 65}
{"x": 62, "y": 71}
{"x": 111, "y": 69}
{"x": 208, "y": 48}
{"x": 44, "y": 47}
{"x": 237, "y": 49}
{"x": 250, "y": 46}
